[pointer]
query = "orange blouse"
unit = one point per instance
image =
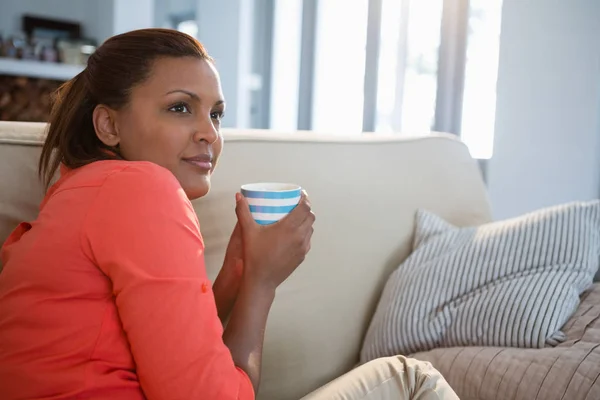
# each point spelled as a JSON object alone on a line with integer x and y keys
{"x": 105, "y": 295}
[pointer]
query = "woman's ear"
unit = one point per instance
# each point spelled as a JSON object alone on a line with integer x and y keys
{"x": 105, "y": 125}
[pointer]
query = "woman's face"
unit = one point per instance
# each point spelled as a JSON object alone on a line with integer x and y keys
{"x": 173, "y": 120}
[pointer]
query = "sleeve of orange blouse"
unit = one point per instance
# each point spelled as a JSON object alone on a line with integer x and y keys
{"x": 143, "y": 234}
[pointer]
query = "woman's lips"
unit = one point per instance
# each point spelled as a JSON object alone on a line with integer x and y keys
{"x": 202, "y": 161}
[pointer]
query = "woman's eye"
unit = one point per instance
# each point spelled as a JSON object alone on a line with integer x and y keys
{"x": 217, "y": 115}
{"x": 180, "y": 108}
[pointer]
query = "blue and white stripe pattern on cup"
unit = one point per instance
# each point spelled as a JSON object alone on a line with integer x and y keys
{"x": 269, "y": 202}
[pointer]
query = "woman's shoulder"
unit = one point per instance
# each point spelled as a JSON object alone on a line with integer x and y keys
{"x": 132, "y": 180}
{"x": 119, "y": 173}
{"x": 112, "y": 185}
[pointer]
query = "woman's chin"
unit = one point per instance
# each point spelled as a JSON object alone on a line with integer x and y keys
{"x": 194, "y": 193}
{"x": 197, "y": 189}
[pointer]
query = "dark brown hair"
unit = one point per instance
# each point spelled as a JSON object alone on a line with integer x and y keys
{"x": 118, "y": 65}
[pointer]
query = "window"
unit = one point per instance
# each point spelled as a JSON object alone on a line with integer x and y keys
{"x": 435, "y": 69}
{"x": 407, "y": 84}
{"x": 285, "y": 65}
{"x": 339, "y": 69}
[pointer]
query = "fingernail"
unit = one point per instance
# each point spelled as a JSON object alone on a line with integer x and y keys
{"x": 238, "y": 197}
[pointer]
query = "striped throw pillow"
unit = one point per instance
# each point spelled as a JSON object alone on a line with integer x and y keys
{"x": 510, "y": 283}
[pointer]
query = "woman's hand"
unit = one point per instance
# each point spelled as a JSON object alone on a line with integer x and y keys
{"x": 227, "y": 284}
{"x": 273, "y": 252}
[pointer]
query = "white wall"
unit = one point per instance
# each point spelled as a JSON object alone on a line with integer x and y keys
{"x": 99, "y": 19}
{"x": 547, "y": 136}
{"x": 96, "y": 16}
{"x": 130, "y": 15}
{"x": 164, "y": 9}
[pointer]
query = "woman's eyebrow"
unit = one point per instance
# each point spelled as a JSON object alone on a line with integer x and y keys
{"x": 194, "y": 96}
{"x": 191, "y": 94}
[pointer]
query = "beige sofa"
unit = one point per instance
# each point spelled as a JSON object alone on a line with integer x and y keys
{"x": 365, "y": 191}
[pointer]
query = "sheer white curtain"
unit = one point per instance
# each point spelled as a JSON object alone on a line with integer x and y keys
{"x": 339, "y": 71}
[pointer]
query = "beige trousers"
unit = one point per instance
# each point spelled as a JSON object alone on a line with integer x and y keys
{"x": 397, "y": 378}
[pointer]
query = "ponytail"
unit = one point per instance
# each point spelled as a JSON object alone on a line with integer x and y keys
{"x": 71, "y": 138}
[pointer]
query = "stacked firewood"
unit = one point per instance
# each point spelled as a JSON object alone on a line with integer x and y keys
{"x": 26, "y": 99}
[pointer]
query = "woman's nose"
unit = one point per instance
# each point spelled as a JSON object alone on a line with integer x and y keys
{"x": 206, "y": 131}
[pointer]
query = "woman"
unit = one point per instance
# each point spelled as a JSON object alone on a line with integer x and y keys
{"x": 105, "y": 295}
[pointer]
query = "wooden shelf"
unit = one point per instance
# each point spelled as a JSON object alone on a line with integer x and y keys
{"x": 38, "y": 69}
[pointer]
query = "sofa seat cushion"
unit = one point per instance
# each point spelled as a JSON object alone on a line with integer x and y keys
{"x": 570, "y": 370}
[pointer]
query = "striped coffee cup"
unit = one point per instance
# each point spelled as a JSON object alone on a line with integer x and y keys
{"x": 269, "y": 202}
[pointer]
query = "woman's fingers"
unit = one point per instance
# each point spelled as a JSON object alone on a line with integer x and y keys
{"x": 308, "y": 222}
{"x": 306, "y": 230}
{"x": 307, "y": 239}
{"x": 301, "y": 212}
{"x": 243, "y": 213}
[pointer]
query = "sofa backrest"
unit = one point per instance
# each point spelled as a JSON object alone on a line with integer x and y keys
{"x": 364, "y": 191}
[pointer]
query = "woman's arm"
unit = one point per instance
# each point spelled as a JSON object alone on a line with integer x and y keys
{"x": 143, "y": 235}
{"x": 227, "y": 284}
{"x": 227, "y": 287}
{"x": 244, "y": 335}
{"x": 271, "y": 254}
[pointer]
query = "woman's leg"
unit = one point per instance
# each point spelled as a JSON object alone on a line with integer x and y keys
{"x": 388, "y": 378}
